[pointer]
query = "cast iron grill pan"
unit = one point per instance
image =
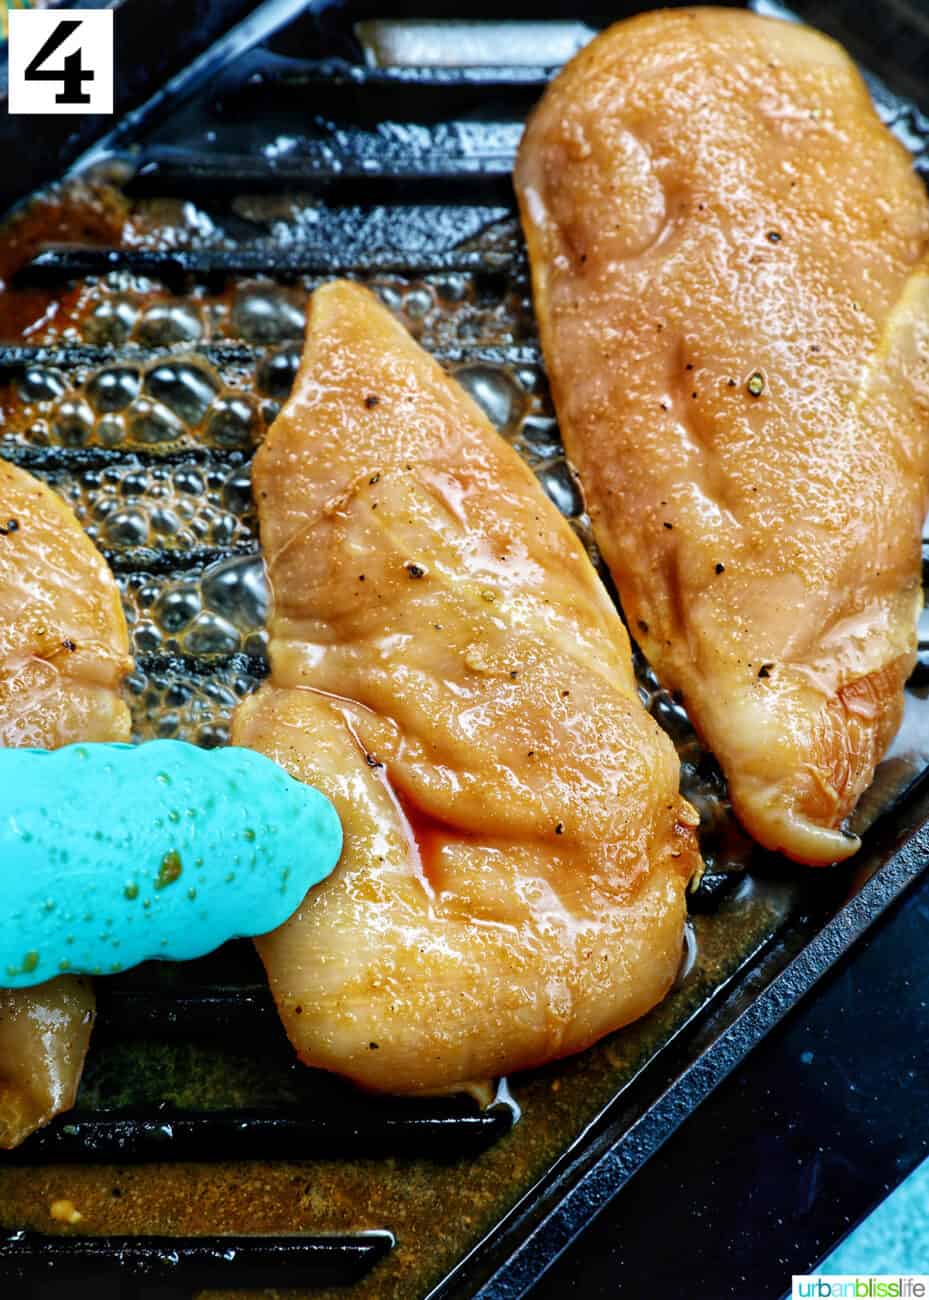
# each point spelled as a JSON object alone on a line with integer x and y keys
{"x": 397, "y": 174}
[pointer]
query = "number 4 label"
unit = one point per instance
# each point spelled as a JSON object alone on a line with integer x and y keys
{"x": 61, "y": 61}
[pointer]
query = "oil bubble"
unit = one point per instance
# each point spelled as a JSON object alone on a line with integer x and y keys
{"x": 169, "y": 323}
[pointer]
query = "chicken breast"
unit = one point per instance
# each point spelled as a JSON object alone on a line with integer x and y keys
{"x": 728, "y": 262}
{"x": 448, "y": 669}
{"x": 64, "y": 650}
{"x": 44, "y": 1036}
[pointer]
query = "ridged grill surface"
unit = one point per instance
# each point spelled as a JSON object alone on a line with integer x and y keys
{"x": 152, "y": 332}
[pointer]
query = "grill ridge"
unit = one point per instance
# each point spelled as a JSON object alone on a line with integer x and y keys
{"x": 80, "y": 356}
{"x": 162, "y": 1133}
{"x": 370, "y": 93}
{"x": 347, "y": 179}
{"x": 58, "y": 265}
{"x": 110, "y": 1264}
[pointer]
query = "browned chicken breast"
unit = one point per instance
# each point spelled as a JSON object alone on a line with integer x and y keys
{"x": 63, "y": 652}
{"x": 447, "y": 668}
{"x": 728, "y": 263}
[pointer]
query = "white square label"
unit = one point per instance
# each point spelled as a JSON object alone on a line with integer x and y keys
{"x": 60, "y": 61}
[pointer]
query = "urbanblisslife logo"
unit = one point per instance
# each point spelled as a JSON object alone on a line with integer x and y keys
{"x": 849, "y": 1286}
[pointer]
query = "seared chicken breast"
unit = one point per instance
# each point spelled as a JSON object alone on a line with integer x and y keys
{"x": 64, "y": 650}
{"x": 728, "y": 262}
{"x": 448, "y": 669}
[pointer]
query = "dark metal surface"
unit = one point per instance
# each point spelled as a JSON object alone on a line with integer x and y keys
{"x": 372, "y": 94}
{"x": 434, "y": 168}
{"x": 116, "y": 1266}
{"x": 174, "y": 266}
{"x": 82, "y": 355}
{"x": 365, "y": 1128}
{"x": 790, "y": 1153}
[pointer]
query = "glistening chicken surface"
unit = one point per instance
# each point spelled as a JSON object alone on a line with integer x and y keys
{"x": 448, "y": 669}
{"x": 728, "y": 258}
{"x": 64, "y": 650}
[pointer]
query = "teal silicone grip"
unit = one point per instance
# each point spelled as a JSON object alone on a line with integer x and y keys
{"x": 114, "y": 854}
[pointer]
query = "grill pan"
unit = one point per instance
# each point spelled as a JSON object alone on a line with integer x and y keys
{"x": 149, "y": 333}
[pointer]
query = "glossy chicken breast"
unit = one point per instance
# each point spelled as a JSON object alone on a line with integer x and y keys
{"x": 728, "y": 264}
{"x": 63, "y": 652}
{"x": 447, "y": 668}
{"x": 44, "y": 1036}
